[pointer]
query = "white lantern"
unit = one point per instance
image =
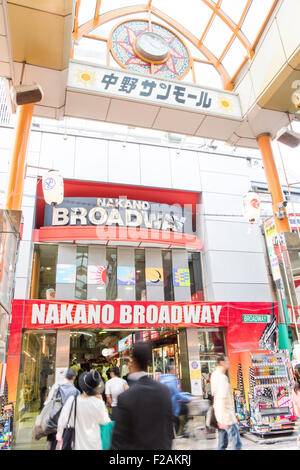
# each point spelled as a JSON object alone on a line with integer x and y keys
{"x": 251, "y": 206}
{"x": 105, "y": 352}
{"x": 53, "y": 187}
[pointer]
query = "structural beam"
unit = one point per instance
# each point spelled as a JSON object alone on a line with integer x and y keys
{"x": 17, "y": 167}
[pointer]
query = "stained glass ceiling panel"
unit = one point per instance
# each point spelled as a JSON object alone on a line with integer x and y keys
{"x": 218, "y": 33}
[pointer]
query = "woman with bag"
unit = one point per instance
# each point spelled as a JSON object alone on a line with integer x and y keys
{"x": 78, "y": 424}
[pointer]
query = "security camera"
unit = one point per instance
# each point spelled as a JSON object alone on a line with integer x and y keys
{"x": 25, "y": 94}
{"x": 282, "y": 204}
{"x": 288, "y": 137}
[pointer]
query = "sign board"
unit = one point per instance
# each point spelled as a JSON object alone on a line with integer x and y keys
{"x": 110, "y": 82}
{"x": 60, "y": 373}
{"x": 125, "y": 343}
{"x": 195, "y": 370}
{"x": 121, "y": 314}
{"x": 270, "y": 234}
{"x": 78, "y": 211}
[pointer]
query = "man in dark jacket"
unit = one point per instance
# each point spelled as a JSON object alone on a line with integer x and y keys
{"x": 143, "y": 418}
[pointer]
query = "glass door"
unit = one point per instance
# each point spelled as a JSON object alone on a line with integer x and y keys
{"x": 37, "y": 375}
{"x": 210, "y": 342}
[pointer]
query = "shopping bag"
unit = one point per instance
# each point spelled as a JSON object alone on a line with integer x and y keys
{"x": 37, "y": 431}
{"x": 211, "y": 421}
{"x": 40, "y": 425}
{"x": 106, "y": 434}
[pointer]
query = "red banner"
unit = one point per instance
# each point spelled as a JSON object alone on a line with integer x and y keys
{"x": 105, "y": 314}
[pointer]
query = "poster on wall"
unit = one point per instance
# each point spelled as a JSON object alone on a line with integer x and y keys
{"x": 154, "y": 276}
{"x": 60, "y": 373}
{"x": 96, "y": 275}
{"x": 126, "y": 275}
{"x": 66, "y": 274}
{"x": 181, "y": 277}
{"x": 270, "y": 234}
{"x": 196, "y": 387}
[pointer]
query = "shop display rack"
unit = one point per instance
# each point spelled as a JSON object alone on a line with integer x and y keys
{"x": 271, "y": 410}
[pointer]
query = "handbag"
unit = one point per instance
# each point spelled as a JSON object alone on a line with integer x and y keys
{"x": 40, "y": 425}
{"x": 211, "y": 421}
{"x": 106, "y": 431}
{"x": 68, "y": 440}
{"x": 56, "y": 402}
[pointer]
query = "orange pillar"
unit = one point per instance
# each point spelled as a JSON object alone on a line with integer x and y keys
{"x": 264, "y": 142}
{"x": 14, "y": 193}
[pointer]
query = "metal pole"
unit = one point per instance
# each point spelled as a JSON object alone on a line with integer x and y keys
{"x": 280, "y": 218}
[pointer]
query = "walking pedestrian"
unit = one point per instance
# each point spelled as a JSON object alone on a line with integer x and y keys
{"x": 125, "y": 368}
{"x": 113, "y": 388}
{"x": 177, "y": 396}
{"x": 296, "y": 399}
{"x": 143, "y": 418}
{"x": 224, "y": 407}
{"x": 90, "y": 413}
{"x": 66, "y": 390}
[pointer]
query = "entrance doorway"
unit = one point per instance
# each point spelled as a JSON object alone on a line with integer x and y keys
{"x": 102, "y": 349}
{"x": 36, "y": 377}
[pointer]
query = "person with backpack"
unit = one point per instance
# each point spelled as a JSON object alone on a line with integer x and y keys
{"x": 179, "y": 398}
{"x": 64, "y": 390}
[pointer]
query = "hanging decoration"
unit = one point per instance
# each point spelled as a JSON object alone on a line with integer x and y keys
{"x": 53, "y": 187}
{"x": 251, "y": 207}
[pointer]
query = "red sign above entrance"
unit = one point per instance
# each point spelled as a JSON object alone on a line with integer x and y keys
{"x": 65, "y": 314}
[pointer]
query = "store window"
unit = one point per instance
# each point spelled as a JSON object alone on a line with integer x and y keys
{"x": 37, "y": 371}
{"x": 195, "y": 269}
{"x": 211, "y": 342}
{"x": 111, "y": 264}
{"x": 81, "y": 273}
{"x": 43, "y": 271}
{"x": 140, "y": 278}
{"x": 168, "y": 275}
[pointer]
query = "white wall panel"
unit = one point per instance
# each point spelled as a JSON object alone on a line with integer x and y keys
{"x": 227, "y": 204}
{"x": 155, "y": 166}
{"x": 233, "y": 236}
{"x": 28, "y": 214}
{"x": 124, "y": 163}
{"x": 222, "y": 164}
{"x": 237, "y": 267}
{"x": 24, "y": 259}
{"x": 288, "y": 25}
{"x": 225, "y": 184}
{"x": 239, "y": 292}
{"x": 4, "y": 159}
{"x": 268, "y": 60}
{"x": 34, "y": 142}
{"x": 91, "y": 159}
{"x": 21, "y": 288}
{"x": 6, "y": 138}
{"x": 57, "y": 153}
{"x": 185, "y": 170}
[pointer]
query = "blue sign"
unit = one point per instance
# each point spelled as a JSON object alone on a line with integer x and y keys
{"x": 125, "y": 343}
